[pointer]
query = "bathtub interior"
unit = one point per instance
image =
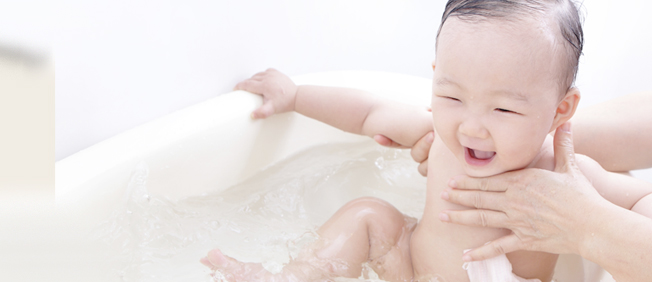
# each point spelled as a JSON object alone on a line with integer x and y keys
{"x": 214, "y": 145}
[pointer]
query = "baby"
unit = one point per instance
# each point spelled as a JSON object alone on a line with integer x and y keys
{"x": 502, "y": 82}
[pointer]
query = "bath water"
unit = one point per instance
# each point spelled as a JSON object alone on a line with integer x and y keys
{"x": 266, "y": 218}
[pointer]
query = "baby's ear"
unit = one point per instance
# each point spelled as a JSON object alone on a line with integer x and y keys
{"x": 566, "y": 107}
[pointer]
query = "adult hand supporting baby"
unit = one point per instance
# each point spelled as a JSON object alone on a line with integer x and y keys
{"x": 534, "y": 203}
{"x": 554, "y": 211}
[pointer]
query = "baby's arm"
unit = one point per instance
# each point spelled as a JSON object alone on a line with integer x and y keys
{"x": 622, "y": 190}
{"x": 351, "y": 110}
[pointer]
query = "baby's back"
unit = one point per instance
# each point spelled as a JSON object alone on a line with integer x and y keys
{"x": 437, "y": 247}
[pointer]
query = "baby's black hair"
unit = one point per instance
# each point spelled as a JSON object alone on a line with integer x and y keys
{"x": 564, "y": 12}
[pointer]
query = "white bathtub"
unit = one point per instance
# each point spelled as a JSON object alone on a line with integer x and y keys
{"x": 214, "y": 144}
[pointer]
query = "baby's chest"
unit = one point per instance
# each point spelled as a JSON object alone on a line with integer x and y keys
{"x": 442, "y": 166}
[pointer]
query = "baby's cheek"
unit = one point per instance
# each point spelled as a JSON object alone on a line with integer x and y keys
{"x": 517, "y": 153}
{"x": 445, "y": 128}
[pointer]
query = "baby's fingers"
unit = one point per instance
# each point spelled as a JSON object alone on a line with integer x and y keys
{"x": 250, "y": 85}
{"x": 259, "y": 76}
{"x": 266, "y": 110}
{"x": 206, "y": 262}
{"x": 384, "y": 141}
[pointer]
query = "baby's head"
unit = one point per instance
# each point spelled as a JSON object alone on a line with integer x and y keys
{"x": 503, "y": 79}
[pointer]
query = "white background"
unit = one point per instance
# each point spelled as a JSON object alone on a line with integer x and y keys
{"x": 122, "y": 63}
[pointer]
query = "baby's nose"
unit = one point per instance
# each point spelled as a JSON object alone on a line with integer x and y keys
{"x": 474, "y": 128}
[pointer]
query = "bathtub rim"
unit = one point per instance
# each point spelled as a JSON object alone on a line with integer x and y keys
{"x": 80, "y": 169}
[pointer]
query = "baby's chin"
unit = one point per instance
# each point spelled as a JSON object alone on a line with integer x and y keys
{"x": 482, "y": 173}
{"x": 488, "y": 172}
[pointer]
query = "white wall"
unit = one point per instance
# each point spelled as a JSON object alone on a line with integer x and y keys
{"x": 123, "y": 63}
{"x": 120, "y": 64}
{"x": 617, "y": 49}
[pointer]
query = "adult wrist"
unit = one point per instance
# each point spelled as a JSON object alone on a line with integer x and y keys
{"x": 595, "y": 229}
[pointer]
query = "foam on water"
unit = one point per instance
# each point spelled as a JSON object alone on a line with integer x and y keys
{"x": 266, "y": 218}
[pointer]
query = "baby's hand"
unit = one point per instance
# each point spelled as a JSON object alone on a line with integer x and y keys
{"x": 277, "y": 89}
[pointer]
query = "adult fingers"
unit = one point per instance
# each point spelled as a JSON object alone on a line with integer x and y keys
{"x": 503, "y": 245}
{"x": 266, "y": 110}
{"x": 497, "y": 183}
{"x": 564, "y": 150}
{"x": 476, "y": 199}
{"x": 481, "y": 218}
{"x": 421, "y": 149}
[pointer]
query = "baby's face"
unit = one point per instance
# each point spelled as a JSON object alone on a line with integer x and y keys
{"x": 495, "y": 92}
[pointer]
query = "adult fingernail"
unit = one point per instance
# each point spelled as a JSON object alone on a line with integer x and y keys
{"x": 444, "y": 217}
{"x": 444, "y": 195}
{"x": 566, "y": 127}
{"x": 467, "y": 258}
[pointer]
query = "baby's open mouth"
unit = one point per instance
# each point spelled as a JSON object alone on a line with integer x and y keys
{"x": 477, "y": 157}
{"x": 481, "y": 155}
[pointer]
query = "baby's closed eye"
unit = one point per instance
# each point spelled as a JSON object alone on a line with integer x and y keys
{"x": 503, "y": 110}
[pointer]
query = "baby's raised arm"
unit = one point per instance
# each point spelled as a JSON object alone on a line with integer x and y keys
{"x": 351, "y": 110}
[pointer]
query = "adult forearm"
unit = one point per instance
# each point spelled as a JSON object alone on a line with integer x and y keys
{"x": 617, "y": 133}
{"x": 619, "y": 241}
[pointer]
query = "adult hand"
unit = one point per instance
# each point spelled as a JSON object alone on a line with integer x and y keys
{"x": 544, "y": 209}
{"x": 419, "y": 151}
